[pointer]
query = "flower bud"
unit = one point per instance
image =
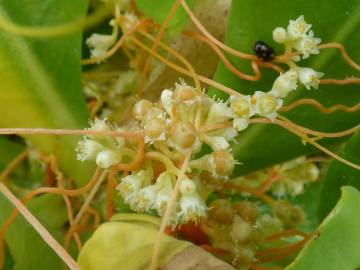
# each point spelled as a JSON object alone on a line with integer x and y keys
{"x": 241, "y": 106}
{"x": 309, "y": 77}
{"x": 279, "y": 35}
{"x": 183, "y": 134}
{"x": 241, "y": 231}
{"x": 248, "y": 211}
{"x": 155, "y": 129}
{"x": 187, "y": 186}
{"x": 284, "y": 84}
{"x": 290, "y": 216}
{"x": 221, "y": 211}
{"x": 266, "y": 104}
{"x": 184, "y": 92}
{"x": 298, "y": 28}
{"x": 223, "y": 162}
{"x": 141, "y": 108}
{"x": 88, "y": 149}
{"x": 107, "y": 158}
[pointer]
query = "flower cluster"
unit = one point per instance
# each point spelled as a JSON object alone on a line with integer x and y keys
{"x": 181, "y": 122}
{"x": 298, "y": 37}
{"x": 99, "y": 44}
{"x": 105, "y": 151}
{"x": 293, "y": 176}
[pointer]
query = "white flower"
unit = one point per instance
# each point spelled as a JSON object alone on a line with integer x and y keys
{"x": 165, "y": 193}
{"x": 307, "y": 45}
{"x": 298, "y": 28}
{"x": 130, "y": 19}
{"x": 240, "y": 123}
{"x": 266, "y": 104}
{"x": 309, "y": 77}
{"x": 107, "y": 158}
{"x": 216, "y": 142}
{"x": 144, "y": 199}
{"x": 187, "y": 186}
{"x": 131, "y": 184}
{"x": 166, "y": 100}
{"x": 241, "y": 106}
{"x": 284, "y": 84}
{"x": 99, "y": 44}
{"x": 219, "y": 112}
{"x": 242, "y": 109}
{"x": 192, "y": 207}
{"x": 280, "y": 35}
{"x": 155, "y": 130}
{"x": 88, "y": 149}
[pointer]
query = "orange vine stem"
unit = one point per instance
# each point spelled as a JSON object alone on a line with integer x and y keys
{"x": 13, "y": 164}
{"x": 319, "y": 106}
{"x": 158, "y": 37}
{"x": 343, "y": 53}
{"x": 45, "y": 235}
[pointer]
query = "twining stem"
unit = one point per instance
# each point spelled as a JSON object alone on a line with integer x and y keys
{"x": 308, "y": 140}
{"x": 163, "y": 159}
{"x": 340, "y": 82}
{"x": 190, "y": 68}
{"x": 182, "y": 70}
{"x": 319, "y": 106}
{"x": 158, "y": 37}
{"x": 13, "y": 164}
{"x": 85, "y": 205}
{"x": 60, "y": 191}
{"x": 47, "y": 131}
{"x": 45, "y": 235}
{"x": 168, "y": 212}
{"x": 117, "y": 45}
{"x": 343, "y": 53}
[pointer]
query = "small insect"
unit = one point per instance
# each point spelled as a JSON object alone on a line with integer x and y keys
{"x": 263, "y": 51}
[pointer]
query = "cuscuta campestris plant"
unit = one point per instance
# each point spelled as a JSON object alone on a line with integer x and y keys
{"x": 172, "y": 130}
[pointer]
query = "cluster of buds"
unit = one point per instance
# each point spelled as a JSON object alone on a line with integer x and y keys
{"x": 181, "y": 122}
{"x": 241, "y": 227}
{"x": 99, "y": 44}
{"x": 298, "y": 37}
{"x": 105, "y": 151}
{"x": 293, "y": 176}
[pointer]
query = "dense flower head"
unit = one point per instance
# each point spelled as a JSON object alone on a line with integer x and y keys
{"x": 298, "y": 37}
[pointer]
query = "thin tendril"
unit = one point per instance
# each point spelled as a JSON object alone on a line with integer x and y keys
{"x": 158, "y": 37}
{"x": 343, "y": 53}
{"x": 319, "y": 106}
{"x": 341, "y": 82}
{"x": 45, "y": 235}
{"x": 116, "y": 47}
{"x": 167, "y": 214}
{"x": 13, "y": 164}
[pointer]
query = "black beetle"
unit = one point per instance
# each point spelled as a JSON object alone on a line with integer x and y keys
{"x": 263, "y": 51}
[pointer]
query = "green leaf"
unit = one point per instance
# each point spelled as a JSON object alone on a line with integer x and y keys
{"x": 8, "y": 151}
{"x": 27, "y": 248}
{"x": 40, "y": 77}
{"x": 338, "y": 243}
{"x": 251, "y": 20}
{"x": 158, "y": 10}
{"x": 339, "y": 175}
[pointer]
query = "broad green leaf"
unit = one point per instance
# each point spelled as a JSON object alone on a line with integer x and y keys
{"x": 158, "y": 10}
{"x": 337, "y": 243}
{"x": 339, "y": 175}
{"x": 40, "y": 77}
{"x": 251, "y": 20}
{"x": 27, "y": 248}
